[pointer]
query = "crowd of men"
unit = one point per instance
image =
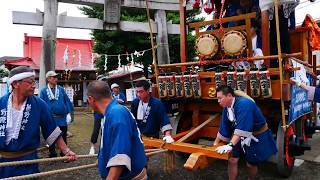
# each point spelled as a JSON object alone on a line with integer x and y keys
{"x": 121, "y": 149}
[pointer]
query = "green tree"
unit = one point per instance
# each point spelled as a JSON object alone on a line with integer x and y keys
{"x": 120, "y": 42}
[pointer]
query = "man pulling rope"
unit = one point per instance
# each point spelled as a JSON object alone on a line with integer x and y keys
{"x": 21, "y": 116}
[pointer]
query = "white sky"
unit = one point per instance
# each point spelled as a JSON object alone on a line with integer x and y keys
{"x": 11, "y": 36}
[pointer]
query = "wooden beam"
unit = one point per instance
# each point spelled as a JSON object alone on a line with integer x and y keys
{"x": 170, "y": 5}
{"x": 187, "y": 148}
{"x": 183, "y": 35}
{"x": 36, "y": 19}
{"x": 197, "y": 161}
{"x": 223, "y": 20}
{"x": 193, "y": 131}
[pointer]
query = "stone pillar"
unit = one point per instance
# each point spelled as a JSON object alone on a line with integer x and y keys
{"x": 162, "y": 37}
{"x": 49, "y": 35}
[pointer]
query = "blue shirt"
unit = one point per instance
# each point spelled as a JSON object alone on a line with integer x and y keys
{"x": 121, "y": 143}
{"x": 248, "y": 119}
{"x": 120, "y": 96}
{"x": 36, "y": 115}
{"x": 60, "y": 107}
{"x": 157, "y": 119}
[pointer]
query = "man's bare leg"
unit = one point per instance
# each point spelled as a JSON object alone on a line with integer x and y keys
{"x": 233, "y": 168}
{"x": 253, "y": 171}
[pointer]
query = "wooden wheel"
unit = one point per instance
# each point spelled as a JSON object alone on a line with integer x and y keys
{"x": 285, "y": 162}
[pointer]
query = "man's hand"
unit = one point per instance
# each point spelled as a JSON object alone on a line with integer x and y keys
{"x": 224, "y": 149}
{"x": 168, "y": 139}
{"x": 120, "y": 101}
{"x": 71, "y": 155}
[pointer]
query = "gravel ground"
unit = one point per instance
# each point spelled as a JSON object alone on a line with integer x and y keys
{"x": 79, "y": 142}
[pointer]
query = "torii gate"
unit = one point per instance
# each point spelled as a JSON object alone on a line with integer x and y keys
{"x": 50, "y": 20}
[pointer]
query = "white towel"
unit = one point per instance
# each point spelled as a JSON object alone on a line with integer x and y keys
{"x": 141, "y": 110}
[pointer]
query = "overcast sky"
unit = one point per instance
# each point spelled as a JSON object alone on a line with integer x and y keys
{"x": 11, "y": 36}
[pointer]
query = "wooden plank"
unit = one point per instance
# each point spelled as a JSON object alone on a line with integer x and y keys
{"x": 170, "y": 5}
{"x": 183, "y": 35}
{"x": 223, "y": 20}
{"x": 30, "y": 18}
{"x": 216, "y": 31}
{"x": 197, "y": 161}
{"x": 193, "y": 131}
{"x": 249, "y": 37}
{"x": 180, "y": 135}
{"x": 187, "y": 148}
{"x": 265, "y": 35}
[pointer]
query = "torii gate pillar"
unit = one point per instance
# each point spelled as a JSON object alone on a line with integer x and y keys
{"x": 49, "y": 34}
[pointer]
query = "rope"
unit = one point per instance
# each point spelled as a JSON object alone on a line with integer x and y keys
{"x": 44, "y": 160}
{"x": 49, "y": 173}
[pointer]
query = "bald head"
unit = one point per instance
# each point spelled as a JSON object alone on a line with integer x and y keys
{"x": 99, "y": 90}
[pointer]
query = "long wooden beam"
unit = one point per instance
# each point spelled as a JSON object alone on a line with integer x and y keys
{"x": 170, "y": 5}
{"x": 250, "y": 59}
{"x": 198, "y": 128}
{"x": 187, "y": 148}
{"x": 223, "y": 20}
{"x": 36, "y": 19}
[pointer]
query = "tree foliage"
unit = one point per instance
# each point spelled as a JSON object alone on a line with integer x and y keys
{"x": 120, "y": 42}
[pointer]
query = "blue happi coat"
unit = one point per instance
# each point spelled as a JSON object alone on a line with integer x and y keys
{"x": 156, "y": 118}
{"x": 119, "y": 96}
{"x": 36, "y": 115}
{"x": 121, "y": 143}
{"x": 59, "y": 108}
{"x": 248, "y": 119}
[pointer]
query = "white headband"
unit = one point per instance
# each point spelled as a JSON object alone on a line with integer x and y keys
{"x": 21, "y": 76}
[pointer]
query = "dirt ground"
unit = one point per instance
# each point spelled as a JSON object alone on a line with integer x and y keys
{"x": 80, "y": 143}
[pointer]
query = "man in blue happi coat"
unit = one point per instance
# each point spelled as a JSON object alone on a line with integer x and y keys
{"x": 121, "y": 153}
{"x": 59, "y": 104}
{"x": 21, "y": 116}
{"x": 117, "y": 95}
{"x": 150, "y": 113}
{"x": 245, "y": 130}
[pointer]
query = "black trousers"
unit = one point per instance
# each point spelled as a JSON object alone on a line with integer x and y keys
{"x": 52, "y": 148}
{"x": 96, "y": 131}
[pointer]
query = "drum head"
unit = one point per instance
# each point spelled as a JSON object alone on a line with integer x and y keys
{"x": 233, "y": 43}
{"x": 207, "y": 45}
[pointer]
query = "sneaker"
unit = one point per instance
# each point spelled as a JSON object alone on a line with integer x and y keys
{"x": 69, "y": 134}
{"x": 92, "y": 150}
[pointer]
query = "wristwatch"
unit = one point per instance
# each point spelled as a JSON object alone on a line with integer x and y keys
{"x": 230, "y": 144}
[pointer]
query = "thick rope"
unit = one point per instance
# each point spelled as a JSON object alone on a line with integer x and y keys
{"x": 49, "y": 173}
{"x": 44, "y": 160}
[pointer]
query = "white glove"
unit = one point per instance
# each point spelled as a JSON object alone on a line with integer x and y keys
{"x": 223, "y": 149}
{"x": 92, "y": 150}
{"x": 68, "y": 118}
{"x": 247, "y": 141}
{"x": 168, "y": 139}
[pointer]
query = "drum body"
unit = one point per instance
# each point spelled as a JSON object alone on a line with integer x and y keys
{"x": 207, "y": 46}
{"x": 233, "y": 43}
